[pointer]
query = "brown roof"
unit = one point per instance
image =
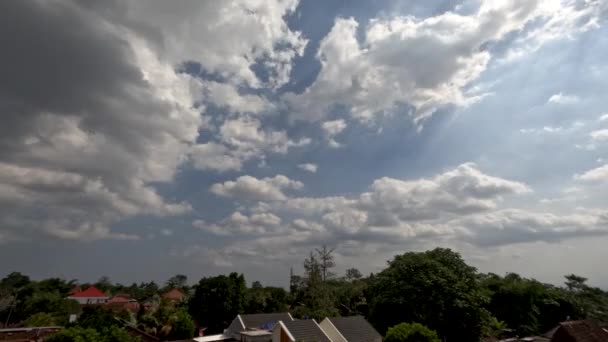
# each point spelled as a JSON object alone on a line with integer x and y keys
{"x": 174, "y": 294}
{"x": 580, "y": 331}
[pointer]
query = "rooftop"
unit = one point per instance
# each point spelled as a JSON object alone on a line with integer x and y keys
{"x": 306, "y": 331}
{"x": 265, "y": 320}
{"x": 355, "y": 328}
{"x": 90, "y": 292}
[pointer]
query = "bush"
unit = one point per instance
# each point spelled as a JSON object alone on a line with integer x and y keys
{"x": 411, "y": 332}
{"x": 41, "y": 319}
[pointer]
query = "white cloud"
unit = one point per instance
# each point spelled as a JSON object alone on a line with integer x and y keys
{"x": 252, "y": 32}
{"x": 597, "y": 174}
{"x": 238, "y": 223}
{"x": 603, "y": 117}
{"x": 563, "y": 99}
{"x": 240, "y": 140}
{"x": 331, "y": 129}
{"x": 213, "y": 156}
{"x": 423, "y": 62}
{"x": 253, "y": 189}
{"x": 312, "y": 168}
{"x": 599, "y": 135}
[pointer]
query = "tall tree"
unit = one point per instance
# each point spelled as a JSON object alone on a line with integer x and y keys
{"x": 325, "y": 259}
{"x": 178, "y": 281}
{"x": 436, "y": 288}
{"x": 217, "y": 300}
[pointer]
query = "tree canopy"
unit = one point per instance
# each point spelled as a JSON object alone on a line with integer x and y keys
{"x": 411, "y": 332}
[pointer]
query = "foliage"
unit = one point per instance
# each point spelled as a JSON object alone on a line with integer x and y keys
{"x": 80, "y": 334}
{"x": 178, "y": 281}
{"x": 436, "y": 288}
{"x": 182, "y": 326}
{"x": 411, "y": 332}
{"x": 217, "y": 300}
{"x": 40, "y": 319}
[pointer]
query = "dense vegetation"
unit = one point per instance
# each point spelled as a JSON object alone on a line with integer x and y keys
{"x": 433, "y": 292}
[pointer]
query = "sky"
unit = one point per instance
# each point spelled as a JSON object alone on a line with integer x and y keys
{"x": 141, "y": 139}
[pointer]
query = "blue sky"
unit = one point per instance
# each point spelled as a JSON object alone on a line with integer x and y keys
{"x": 144, "y": 139}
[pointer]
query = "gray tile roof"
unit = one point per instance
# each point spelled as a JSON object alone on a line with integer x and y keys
{"x": 355, "y": 329}
{"x": 306, "y": 331}
{"x": 264, "y": 321}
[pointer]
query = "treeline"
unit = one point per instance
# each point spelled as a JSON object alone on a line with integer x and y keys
{"x": 434, "y": 290}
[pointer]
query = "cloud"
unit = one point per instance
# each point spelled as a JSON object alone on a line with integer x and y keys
{"x": 422, "y": 62}
{"x": 254, "y": 189}
{"x": 240, "y": 224}
{"x": 312, "y": 168}
{"x": 91, "y": 125}
{"x": 239, "y": 140}
{"x": 252, "y": 33}
{"x": 599, "y": 135}
{"x": 516, "y": 225}
{"x": 603, "y": 117}
{"x": 563, "y": 99}
{"x": 331, "y": 129}
{"x": 597, "y": 174}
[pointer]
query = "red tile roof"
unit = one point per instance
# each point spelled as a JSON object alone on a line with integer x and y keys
{"x": 90, "y": 292}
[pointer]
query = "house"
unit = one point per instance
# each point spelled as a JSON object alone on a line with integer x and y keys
{"x": 92, "y": 295}
{"x": 255, "y": 322}
{"x": 579, "y": 331}
{"x": 307, "y": 330}
{"x": 174, "y": 296}
{"x": 350, "y": 329}
{"x": 122, "y": 302}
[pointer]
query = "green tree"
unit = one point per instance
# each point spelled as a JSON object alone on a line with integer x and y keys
{"x": 80, "y": 334}
{"x": 178, "y": 281}
{"x": 436, "y": 288}
{"x": 182, "y": 326}
{"x": 40, "y": 319}
{"x": 353, "y": 274}
{"x": 411, "y": 332}
{"x": 217, "y": 300}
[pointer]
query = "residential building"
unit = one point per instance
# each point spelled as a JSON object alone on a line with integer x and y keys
{"x": 579, "y": 331}
{"x": 307, "y": 330}
{"x": 255, "y": 322}
{"x": 350, "y": 329}
{"x": 92, "y": 295}
{"x": 123, "y": 302}
{"x": 174, "y": 296}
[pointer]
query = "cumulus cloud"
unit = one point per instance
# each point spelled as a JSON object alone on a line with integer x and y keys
{"x": 90, "y": 125}
{"x": 254, "y": 189}
{"x": 422, "y": 62}
{"x": 603, "y": 117}
{"x": 563, "y": 99}
{"x": 331, "y": 129}
{"x": 312, "y": 168}
{"x": 240, "y": 140}
{"x": 599, "y": 135}
{"x": 516, "y": 225}
{"x": 238, "y": 223}
{"x": 252, "y": 33}
{"x": 427, "y": 63}
{"x": 597, "y": 174}
{"x": 392, "y": 211}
